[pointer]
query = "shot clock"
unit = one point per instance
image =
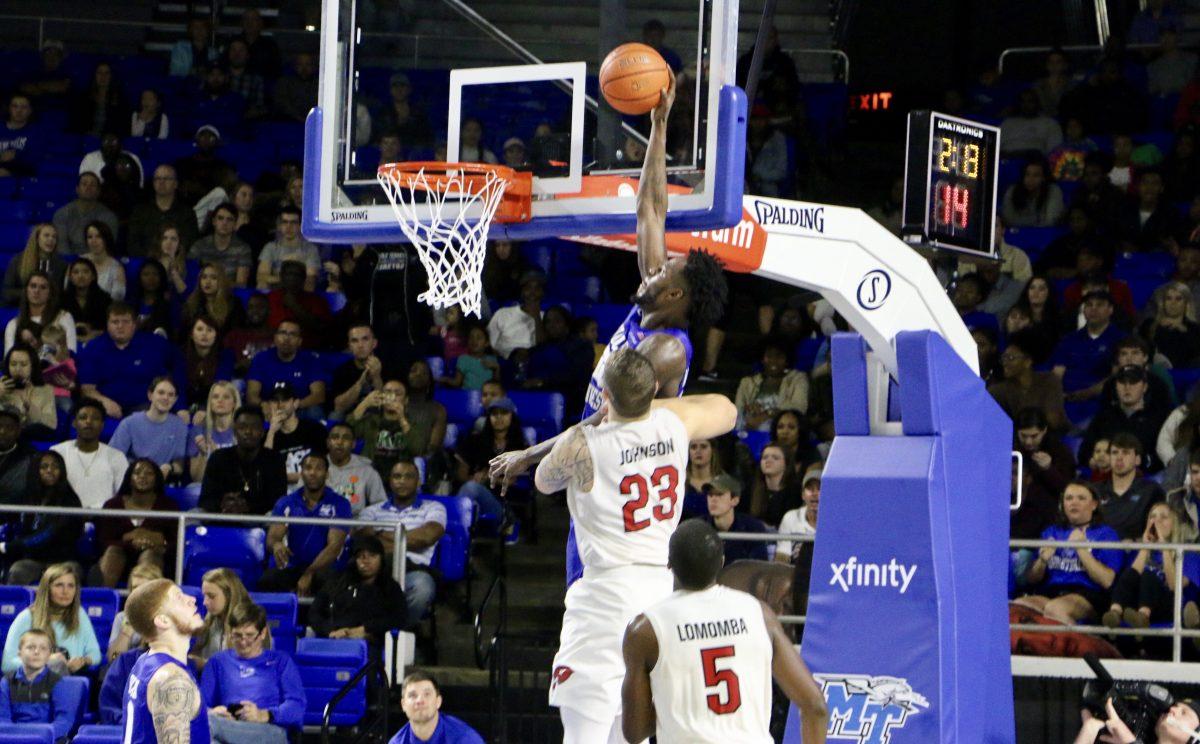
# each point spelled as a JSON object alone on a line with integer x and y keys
{"x": 950, "y": 183}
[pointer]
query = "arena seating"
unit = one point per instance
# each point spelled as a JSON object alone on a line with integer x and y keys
{"x": 101, "y": 606}
{"x": 454, "y": 549}
{"x": 13, "y": 599}
{"x": 326, "y": 665}
{"x": 282, "y": 616}
{"x": 94, "y": 734}
{"x": 239, "y": 549}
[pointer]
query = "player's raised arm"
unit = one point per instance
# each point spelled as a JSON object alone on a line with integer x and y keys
{"x": 704, "y": 416}
{"x": 652, "y": 190}
{"x": 640, "y": 649}
{"x": 173, "y": 701}
{"x": 569, "y": 461}
{"x": 796, "y": 681}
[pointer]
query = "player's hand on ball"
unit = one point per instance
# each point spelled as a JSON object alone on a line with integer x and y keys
{"x": 659, "y": 113}
{"x": 506, "y": 468}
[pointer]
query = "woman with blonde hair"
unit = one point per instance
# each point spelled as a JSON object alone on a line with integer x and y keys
{"x": 704, "y": 464}
{"x": 123, "y": 636}
{"x": 213, "y": 297}
{"x": 223, "y": 594}
{"x": 212, "y": 428}
{"x": 1145, "y": 591}
{"x": 1173, "y": 330}
{"x": 41, "y": 252}
{"x": 57, "y": 610}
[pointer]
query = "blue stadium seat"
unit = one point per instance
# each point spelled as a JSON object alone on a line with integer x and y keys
{"x": 1157, "y": 266}
{"x": 454, "y": 549}
{"x": 543, "y": 411}
{"x": 101, "y": 606}
{"x": 18, "y": 211}
{"x": 462, "y": 406}
{"x": 99, "y": 735}
{"x": 326, "y": 665}
{"x": 26, "y": 733}
{"x": 538, "y": 253}
{"x": 336, "y": 301}
{"x": 243, "y": 551}
{"x": 451, "y": 437}
{"x": 1033, "y": 238}
{"x": 1142, "y": 288}
{"x": 13, "y": 236}
{"x": 331, "y": 360}
{"x": 609, "y": 317}
{"x": 570, "y": 288}
{"x": 282, "y": 613}
{"x": 185, "y": 497}
{"x": 13, "y": 599}
{"x": 437, "y": 366}
{"x": 806, "y": 354}
{"x": 754, "y": 441}
{"x": 77, "y": 694}
{"x": 1185, "y": 378}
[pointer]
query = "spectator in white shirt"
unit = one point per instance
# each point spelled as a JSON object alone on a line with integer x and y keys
{"x": 94, "y": 469}
{"x": 802, "y": 521}
{"x": 520, "y": 326}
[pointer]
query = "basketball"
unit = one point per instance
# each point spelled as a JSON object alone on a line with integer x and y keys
{"x": 632, "y": 78}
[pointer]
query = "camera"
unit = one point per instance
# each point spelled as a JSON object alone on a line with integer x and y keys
{"x": 1138, "y": 704}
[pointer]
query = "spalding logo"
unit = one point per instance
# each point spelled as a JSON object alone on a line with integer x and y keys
{"x": 874, "y": 289}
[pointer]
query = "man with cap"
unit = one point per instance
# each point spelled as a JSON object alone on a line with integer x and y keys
{"x": 802, "y": 521}
{"x": 288, "y": 434}
{"x": 304, "y": 553}
{"x": 1081, "y": 359}
{"x": 520, "y": 326}
{"x": 202, "y": 171}
{"x": 1130, "y": 412}
{"x": 514, "y": 153}
{"x": 50, "y": 86}
{"x": 14, "y": 455}
{"x": 724, "y": 494}
{"x": 477, "y": 450}
{"x": 361, "y": 601}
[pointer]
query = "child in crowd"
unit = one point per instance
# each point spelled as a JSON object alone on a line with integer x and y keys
{"x": 475, "y": 367}
{"x": 59, "y": 369}
{"x": 1098, "y": 465}
{"x": 32, "y": 693}
{"x": 451, "y": 327}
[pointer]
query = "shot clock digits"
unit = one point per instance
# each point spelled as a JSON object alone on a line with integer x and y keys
{"x": 950, "y": 183}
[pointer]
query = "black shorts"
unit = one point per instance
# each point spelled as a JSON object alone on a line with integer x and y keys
{"x": 1099, "y": 599}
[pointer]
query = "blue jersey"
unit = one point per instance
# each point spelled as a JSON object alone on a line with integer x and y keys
{"x": 1064, "y": 568}
{"x": 139, "y": 725}
{"x": 630, "y": 334}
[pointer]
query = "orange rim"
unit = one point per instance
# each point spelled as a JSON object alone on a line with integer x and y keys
{"x": 515, "y": 204}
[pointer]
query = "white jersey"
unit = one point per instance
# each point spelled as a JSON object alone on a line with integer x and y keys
{"x": 634, "y": 505}
{"x": 712, "y": 682}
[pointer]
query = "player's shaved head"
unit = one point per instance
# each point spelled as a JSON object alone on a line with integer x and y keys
{"x": 630, "y": 382}
{"x": 696, "y": 555}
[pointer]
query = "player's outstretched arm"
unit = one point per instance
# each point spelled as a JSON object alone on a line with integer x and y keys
{"x": 569, "y": 462}
{"x": 704, "y": 416}
{"x": 796, "y": 681}
{"x": 640, "y": 648}
{"x": 173, "y": 700}
{"x": 652, "y": 190}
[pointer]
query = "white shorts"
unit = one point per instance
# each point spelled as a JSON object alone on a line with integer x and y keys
{"x": 589, "y": 667}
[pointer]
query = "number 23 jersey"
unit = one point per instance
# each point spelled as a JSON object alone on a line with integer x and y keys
{"x": 633, "y": 507}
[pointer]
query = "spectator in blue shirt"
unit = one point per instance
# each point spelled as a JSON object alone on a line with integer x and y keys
{"x": 421, "y": 700}
{"x": 155, "y": 433}
{"x": 32, "y": 694}
{"x": 1083, "y": 359}
{"x": 1074, "y": 582}
{"x": 302, "y": 551}
{"x": 724, "y": 494}
{"x": 118, "y": 367}
{"x": 20, "y": 149}
{"x": 254, "y": 694}
{"x": 287, "y": 362}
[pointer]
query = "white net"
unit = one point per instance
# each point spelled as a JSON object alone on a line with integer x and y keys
{"x": 451, "y": 247}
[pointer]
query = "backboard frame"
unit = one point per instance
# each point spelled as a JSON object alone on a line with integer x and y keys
{"x": 716, "y": 201}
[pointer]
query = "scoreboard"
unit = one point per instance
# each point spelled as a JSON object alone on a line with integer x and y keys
{"x": 950, "y": 173}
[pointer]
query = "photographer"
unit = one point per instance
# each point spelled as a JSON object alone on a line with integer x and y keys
{"x": 1177, "y": 726}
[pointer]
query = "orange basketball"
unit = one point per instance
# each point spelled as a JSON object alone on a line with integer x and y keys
{"x": 632, "y": 78}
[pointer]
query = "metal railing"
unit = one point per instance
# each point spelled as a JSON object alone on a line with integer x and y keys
{"x": 399, "y": 553}
{"x": 1068, "y": 49}
{"x": 837, "y": 53}
{"x": 1176, "y": 632}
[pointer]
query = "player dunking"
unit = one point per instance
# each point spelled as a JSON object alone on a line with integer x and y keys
{"x": 675, "y": 294}
{"x": 699, "y": 663}
{"x": 162, "y": 702}
{"x": 623, "y": 481}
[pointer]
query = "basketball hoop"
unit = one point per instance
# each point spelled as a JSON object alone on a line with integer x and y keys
{"x": 452, "y": 243}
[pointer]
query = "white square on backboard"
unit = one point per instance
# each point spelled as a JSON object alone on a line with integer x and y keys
{"x": 575, "y": 72}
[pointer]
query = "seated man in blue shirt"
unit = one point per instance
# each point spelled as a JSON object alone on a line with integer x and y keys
{"x": 301, "y": 551}
{"x": 287, "y": 362}
{"x": 31, "y": 694}
{"x": 1083, "y": 359}
{"x": 724, "y": 493}
{"x": 421, "y": 700}
{"x": 118, "y": 368}
{"x": 254, "y": 695}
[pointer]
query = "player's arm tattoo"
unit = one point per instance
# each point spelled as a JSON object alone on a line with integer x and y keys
{"x": 173, "y": 702}
{"x": 569, "y": 462}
